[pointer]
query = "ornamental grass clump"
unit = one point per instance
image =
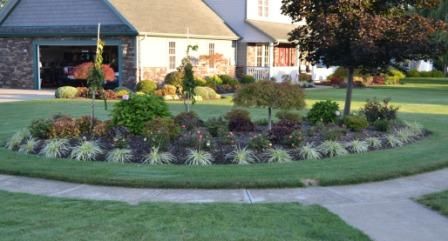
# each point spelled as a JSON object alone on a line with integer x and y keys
{"x": 394, "y": 141}
{"x": 358, "y": 146}
{"x": 405, "y": 135}
{"x": 374, "y": 142}
{"x": 332, "y": 149}
{"x": 55, "y": 148}
{"x": 417, "y": 129}
{"x": 278, "y": 156}
{"x": 119, "y": 155}
{"x": 86, "y": 151}
{"x": 199, "y": 158}
{"x": 309, "y": 152}
{"x": 29, "y": 146}
{"x": 157, "y": 157}
{"x": 242, "y": 156}
{"x": 17, "y": 139}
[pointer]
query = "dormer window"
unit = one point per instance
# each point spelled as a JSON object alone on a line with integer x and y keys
{"x": 263, "y": 8}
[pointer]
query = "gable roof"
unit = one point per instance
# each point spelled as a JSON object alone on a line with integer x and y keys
{"x": 61, "y": 18}
{"x": 173, "y": 18}
{"x": 276, "y": 31}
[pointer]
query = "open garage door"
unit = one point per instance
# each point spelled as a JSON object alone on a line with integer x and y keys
{"x": 57, "y": 64}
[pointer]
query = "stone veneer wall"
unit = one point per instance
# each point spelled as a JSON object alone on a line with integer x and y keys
{"x": 201, "y": 69}
{"x": 16, "y": 61}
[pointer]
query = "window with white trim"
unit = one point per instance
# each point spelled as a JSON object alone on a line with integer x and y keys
{"x": 172, "y": 55}
{"x": 211, "y": 53}
{"x": 262, "y": 55}
{"x": 263, "y": 8}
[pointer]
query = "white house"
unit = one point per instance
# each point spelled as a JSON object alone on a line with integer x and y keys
{"x": 145, "y": 39}
{"x": 264, "y": 50}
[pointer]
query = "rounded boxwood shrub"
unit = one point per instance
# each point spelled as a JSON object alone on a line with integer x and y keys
{"x": 66, "y": 92}
{"x": 206, "y": 93}
{"x": 247, "y": 79}
{"x": 174, "y": 78}
{"x": 228, "y": 80}
{"x": 324, "y": 111}
{"x": 146, "y": 86}
{"x": 122, "y": 91}
{"x": 356, "y": 123}
{"x": 138, "y": 110}
{"x": 41, "y": 128}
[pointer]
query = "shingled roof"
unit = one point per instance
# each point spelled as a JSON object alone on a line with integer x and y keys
{"x": 170, "y": 18}
{"x": 276, "y": 31}
{"x": 174, "y": 18}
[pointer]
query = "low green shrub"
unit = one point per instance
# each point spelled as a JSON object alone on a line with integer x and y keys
{"x": 135, "y": 112}
{"x": 247, "y": 79}
{"x": 394, "y": 76}
{"x": 66, "y": 92}
{"x": 199, "y": 81}
{"x": 122, "y": 91}
{"x": 41, "y": 128}
{"x": 375, "y": 110}
{"x": 285, "y": 115}
{"x": 382, "y": 125}
{"x": 217, "y": 126}
{"x": 260, "y": 143}
{"x": 147, "y": 86}
{"x": 356, "y": 122}
{"x": 239, "y": 120}
{"x": 207, "y": 93}
{"x": 161, "y": 131}
{"x": 324, "y": 111}
{"x": 228, "y": 80}
{"x": 426, "y": 74}
{"x": 213, "y": 81}
{"x": 188, "y": 120}
{"x": 334, "y": 133}
{"x": 174, "y": 78}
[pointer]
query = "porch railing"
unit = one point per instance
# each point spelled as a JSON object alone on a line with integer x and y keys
{"x": 259, "y": 73}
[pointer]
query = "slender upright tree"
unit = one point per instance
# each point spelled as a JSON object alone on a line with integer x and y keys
{"x": 188, "y": 83}
{"x": 363, "y": 34}
{"x": 96, "y": 76}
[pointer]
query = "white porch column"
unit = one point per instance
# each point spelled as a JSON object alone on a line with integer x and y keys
{"x": 271, "y": 59}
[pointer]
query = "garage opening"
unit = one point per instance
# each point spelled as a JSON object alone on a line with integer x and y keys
{"x": 58, "y": 64}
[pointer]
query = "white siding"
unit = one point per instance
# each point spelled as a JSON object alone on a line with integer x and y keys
{"x": 154, "y": 51}
{"x": 275, "y": 13}
{"x": 234, "y": 14}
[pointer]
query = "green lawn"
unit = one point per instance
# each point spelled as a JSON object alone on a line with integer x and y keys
{"x": 437, "y": 201}
{"x": 26, "y": 217}
{"x": 424, "y": 102}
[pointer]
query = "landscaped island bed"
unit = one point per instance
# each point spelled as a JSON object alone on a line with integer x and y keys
{"x": 425, "y": 155}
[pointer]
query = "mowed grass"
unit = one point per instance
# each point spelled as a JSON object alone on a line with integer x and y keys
{"x": 426, "y": 103}
{"x": 436, "y": 201}
{"x": 26, "y": 217}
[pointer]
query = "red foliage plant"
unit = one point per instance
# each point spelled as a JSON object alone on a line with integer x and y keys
{"x": 81, "y": 71}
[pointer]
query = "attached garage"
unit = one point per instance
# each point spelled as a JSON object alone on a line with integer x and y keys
{"x": 41, "y": 43}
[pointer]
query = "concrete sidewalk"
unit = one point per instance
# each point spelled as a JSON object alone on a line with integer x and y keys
{"x": 14, "y": 95}
{"x": 382, "y": 210}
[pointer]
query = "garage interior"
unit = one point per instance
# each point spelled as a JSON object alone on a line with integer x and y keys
{"x": 57, "y": 64}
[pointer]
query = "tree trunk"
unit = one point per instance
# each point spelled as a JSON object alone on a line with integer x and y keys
{"x": 92, "y": 119}
{"x": 348, "y": 98}
{"x": 270, "y": 118}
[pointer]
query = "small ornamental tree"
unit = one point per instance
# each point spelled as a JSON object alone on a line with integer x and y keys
{"x": 188, "y": 83}
{"x": 363, "y": 34}
{"x": 270, "y": 95}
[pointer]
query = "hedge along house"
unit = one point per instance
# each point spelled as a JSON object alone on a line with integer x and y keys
{"x": 42, "y": 40}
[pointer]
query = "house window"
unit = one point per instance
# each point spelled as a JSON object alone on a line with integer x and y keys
{"x": 211, "y": 53}
{"x": 262, "y": 55}
{"x": 263, "y": 8}
{"x": 172, "y": 55}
